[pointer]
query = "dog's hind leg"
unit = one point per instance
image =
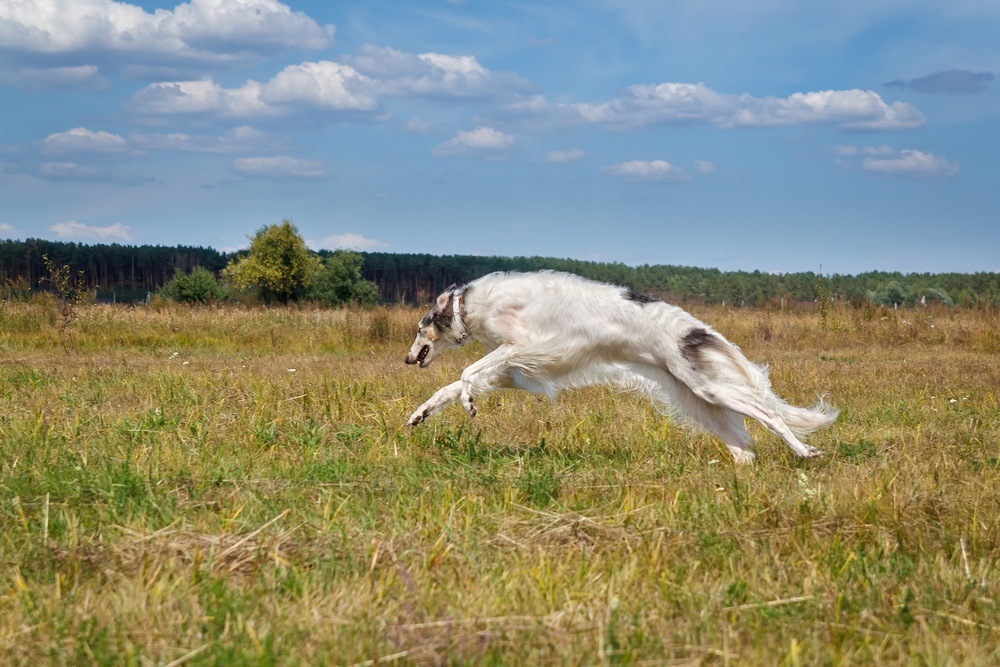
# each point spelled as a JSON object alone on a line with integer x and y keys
{"x": 729, "y": 427}
{"x": 726, "y": 424}
{"x": 441, "y": 398}
{"x": 770, "y": 419}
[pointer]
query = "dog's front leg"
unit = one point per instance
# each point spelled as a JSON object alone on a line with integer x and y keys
{"x": 485, "y": 375}
{"x": 441, "y": 398}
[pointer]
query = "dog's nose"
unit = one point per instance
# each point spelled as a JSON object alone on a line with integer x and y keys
{"x": 410, "y": 360}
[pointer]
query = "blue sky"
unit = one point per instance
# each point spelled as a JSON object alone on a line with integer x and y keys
{"x": 776, "y": 135}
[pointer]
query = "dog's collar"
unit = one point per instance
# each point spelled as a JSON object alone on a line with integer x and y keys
{"x": 458, "y": 329}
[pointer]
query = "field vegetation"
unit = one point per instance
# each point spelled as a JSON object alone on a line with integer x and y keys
{"x": 206, "y": 485}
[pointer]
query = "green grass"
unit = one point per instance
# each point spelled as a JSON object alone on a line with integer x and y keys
{"x": 195, "y": 486}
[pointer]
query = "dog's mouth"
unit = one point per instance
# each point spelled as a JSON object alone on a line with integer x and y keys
{"x": 422, "y": 354}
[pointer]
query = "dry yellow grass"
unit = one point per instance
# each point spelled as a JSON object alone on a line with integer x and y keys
{"x": 199, "y": 486}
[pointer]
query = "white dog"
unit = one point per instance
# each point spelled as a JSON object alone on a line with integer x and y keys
{"x": 548, "y": 331}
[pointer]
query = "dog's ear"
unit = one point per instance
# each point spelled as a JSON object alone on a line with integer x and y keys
{"x": 451, "y": 287}
{"x": 444, "y": 301}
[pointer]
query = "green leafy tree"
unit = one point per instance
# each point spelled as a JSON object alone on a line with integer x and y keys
{"x": 278, "y": 264}
{"x": 199, "y": 286}
{"x": 339, "y": 281}
{"x": 892, "y": 293}
{"x": 934, "y": 295}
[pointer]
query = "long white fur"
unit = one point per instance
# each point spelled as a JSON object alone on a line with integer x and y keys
{"x": 549, "y": 331}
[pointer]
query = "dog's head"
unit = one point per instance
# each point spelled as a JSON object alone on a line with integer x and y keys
{"x": 434, "y": 331}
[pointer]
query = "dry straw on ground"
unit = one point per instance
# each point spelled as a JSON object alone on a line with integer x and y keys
{"x": 226, "y": 486}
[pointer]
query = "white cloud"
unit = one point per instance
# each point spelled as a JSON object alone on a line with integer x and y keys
{"x": 6, "y": 230}
{"x": 911, "y": 163}
{"x": 347, "y": 241}
{"x": 236, "y": 140}
{"x": 704, "y": 166}
{"x": 198, "y": 31}
{"x": 434, "y": 75}
{"x": 562, "y": 157}
{"x": 323, "y": 84}
{"x": 279, "y": 166}
{"x": 80, "y": 139}
{"x": 481, "y": 141}
{"x": 679, "y": 103}
{"x": 887, "y": 160}
{"x": 358, "y": 85}
{"x": 642, "y": 170}
{"x": 77, "y": 231}
{"x": 312, "y": 85}
{"x": 200, "y": 97}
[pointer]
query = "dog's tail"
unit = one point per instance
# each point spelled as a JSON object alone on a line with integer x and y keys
{"x": 725, "y": 363}
{"x": 804, "y": 421}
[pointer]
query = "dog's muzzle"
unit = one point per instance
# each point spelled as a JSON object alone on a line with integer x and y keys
{"x": 421, "y": 356}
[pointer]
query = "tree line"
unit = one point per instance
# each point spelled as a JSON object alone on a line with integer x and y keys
{"x": 416, "y": 278}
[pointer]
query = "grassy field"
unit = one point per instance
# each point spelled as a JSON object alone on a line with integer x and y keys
{"x": 196, "y": 486}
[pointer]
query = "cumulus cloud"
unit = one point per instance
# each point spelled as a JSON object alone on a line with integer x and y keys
{"x": 950, "y": 82}
{"x": 324, "y": 84}
{"x": 913, "y": 164}
{"x": 279, "y": 166}
{"x": 647, "y": 171}
{"x": 889, "y": 161}
{"x": 80, "y": 139}
{"x": 484, "y": 141}
{"x": 236, "y": 140}
{"x": 432, "y": 75}
{"x": 562, "y": 157}
{"x": 200, "y": 97}
{"x": 347, "y": 241}
{"x": 357, "y": 85}
{"x": 681, "y": 103}
{"x": 77, "y": 231}
{"x": 91, "y": 32}
{"x": 315, "y": 85}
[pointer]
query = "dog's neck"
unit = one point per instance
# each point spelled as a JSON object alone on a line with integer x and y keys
{"x": 458, "y": 329}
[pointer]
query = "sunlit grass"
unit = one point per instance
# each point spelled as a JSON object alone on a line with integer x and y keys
{"x": 226, "y": 486}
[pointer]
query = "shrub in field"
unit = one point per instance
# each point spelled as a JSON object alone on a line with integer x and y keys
{"x": 199, "y": 286}
{"x": 339, "y": 281}
{"x": 891, "y": 294}
{"x": 932, "y": 295}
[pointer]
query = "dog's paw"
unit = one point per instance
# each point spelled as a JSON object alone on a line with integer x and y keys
{"x": 813, "y": 453}
{"x": 469, "y": 406}
{"x": 417, "y": 417}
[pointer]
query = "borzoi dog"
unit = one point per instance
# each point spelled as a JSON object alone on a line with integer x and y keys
{"x": 548, "y": 331}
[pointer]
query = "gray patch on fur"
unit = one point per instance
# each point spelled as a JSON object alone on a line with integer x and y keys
{"x": 696, "y": 341}
{"x": 638, "y": 297}
{"x": 443, "y": 317}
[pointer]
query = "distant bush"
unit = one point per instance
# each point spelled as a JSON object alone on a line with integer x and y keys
{"x": 199, "y": 286}
{"x": 339, "y": 282}
{"x": 934, "y": 295}
{"x": 892, "y": 293}
{"x": 895, "y": 293}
